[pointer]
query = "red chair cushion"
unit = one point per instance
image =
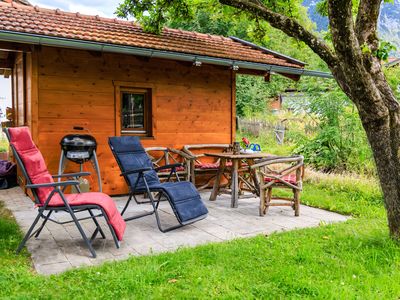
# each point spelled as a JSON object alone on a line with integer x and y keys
{"x": 207, "y": 166}
{"x": 214, "y": 166}
{"x": 291, "y": 178}
{"x": 99, "y": 199}
{"x": 178, "y": 169}
{"x": 32, "y": 159}
{"x": 35, "y": 166}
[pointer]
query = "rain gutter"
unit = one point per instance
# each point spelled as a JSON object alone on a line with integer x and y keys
{"x": 35, "y": 39}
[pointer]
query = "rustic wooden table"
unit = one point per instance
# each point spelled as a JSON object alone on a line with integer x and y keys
{"x": 237, "y": 162}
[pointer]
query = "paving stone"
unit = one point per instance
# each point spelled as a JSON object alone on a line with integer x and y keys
{"x": 60, "y": 247}
{"x": 55, "y": 268}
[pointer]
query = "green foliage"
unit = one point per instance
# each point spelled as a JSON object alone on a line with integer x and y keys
{"x": 253, "y": 94}
{"x": 4, "y": 146}
{"x": 154, "y": 14}
{"x": 392, "y": 76}
{"x": 384, "y": 50}
{"x": 322, "y": 8}
{"x": 340, "y": 143}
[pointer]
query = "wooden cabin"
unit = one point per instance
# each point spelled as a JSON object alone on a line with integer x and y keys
{"x": 73, "y": 70}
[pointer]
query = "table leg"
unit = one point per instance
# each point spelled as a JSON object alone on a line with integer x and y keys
{"x": 216, "y": 186}
{"x": 235, "y": 183}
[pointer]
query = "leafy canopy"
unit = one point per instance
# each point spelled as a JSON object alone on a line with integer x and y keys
{"x": 154, "y": 14}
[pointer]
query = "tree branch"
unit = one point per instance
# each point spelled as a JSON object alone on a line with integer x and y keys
{"x": 366, "y": 22}
{"x": 342, "y": 29}
{"x": 288, "y": 25}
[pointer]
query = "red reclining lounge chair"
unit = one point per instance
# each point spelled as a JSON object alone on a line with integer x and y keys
{"x": 49, "y": 195}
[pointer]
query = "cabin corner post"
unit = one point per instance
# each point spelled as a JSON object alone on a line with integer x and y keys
{"x": 32, "y": 78}
{"x": 233, "y": 105}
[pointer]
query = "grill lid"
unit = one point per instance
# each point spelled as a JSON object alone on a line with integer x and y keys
{"x": 78, "y": 147}
{"x": 78, "y": 141}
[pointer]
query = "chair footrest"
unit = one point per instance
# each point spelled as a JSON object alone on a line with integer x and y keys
{"x": 185, "y": 201}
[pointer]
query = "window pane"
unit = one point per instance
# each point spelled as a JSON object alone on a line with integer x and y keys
{"x": 132, "y": 110}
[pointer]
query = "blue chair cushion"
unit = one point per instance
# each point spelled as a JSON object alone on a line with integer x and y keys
{"x": 131, "y": 155}
{"x": 185, "y": 200}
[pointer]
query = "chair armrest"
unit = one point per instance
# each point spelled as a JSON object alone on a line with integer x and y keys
{"x": 170, "y": 166}
{"x": 181, "y": 153}
{"x": 141, "y": 170}
{"x": 79, "y": 174}
{"x": 278, "y": 159}
{"x": 52, "y": 184}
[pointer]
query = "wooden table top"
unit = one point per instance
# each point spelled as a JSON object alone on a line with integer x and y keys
{"x": 230, "y": 155}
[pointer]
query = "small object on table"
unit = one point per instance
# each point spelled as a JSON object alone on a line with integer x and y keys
{"x": 236, "y": 147}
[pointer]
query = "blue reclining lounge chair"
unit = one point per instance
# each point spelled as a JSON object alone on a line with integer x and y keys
{"x": 141, "y": 178}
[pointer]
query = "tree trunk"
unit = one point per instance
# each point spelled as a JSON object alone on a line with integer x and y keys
{"x": 385, "y": 147}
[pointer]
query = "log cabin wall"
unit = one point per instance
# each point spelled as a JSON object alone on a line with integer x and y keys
{"x": 77, "y": 88}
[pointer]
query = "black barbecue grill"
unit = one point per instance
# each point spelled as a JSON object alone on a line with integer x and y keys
{"x": 79, "y": 148}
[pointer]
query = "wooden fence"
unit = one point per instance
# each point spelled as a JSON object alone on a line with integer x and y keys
{"x": 256, "y": 127}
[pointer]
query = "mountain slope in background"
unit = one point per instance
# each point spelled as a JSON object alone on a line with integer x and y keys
{"x": 389, "y": 20}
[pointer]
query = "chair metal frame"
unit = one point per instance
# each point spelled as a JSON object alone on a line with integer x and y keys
{"x": 275, "y": 169}
{"x": 59, "y": 188}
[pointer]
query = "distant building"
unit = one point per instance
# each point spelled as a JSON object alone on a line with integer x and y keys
{"x": 392, "y": 62}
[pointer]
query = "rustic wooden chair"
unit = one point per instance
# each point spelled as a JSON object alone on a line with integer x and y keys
{"x": 280, "y": 172}
{"x": 202, "y": 166}
{"x": 161, "y": 156}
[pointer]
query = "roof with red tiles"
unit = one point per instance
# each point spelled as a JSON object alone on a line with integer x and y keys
{"x": 75, "y": 26}
{"x": 23, "y": 2}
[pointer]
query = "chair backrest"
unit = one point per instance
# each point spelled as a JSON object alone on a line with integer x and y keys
{"x": 30, "y": 161}
{"x": 130, "y": 154}
{"x": 198, "y": 150}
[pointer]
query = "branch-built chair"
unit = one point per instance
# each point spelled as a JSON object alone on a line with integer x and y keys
{"x": 280, "y": 172}
{"x": 161, "y": 156}
{"x": 202, "y": 166}
{"x": 142, "y": 178}
{"x": 49, "y": 195}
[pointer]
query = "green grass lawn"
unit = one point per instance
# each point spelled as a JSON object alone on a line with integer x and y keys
{"x": 352, "y": 260}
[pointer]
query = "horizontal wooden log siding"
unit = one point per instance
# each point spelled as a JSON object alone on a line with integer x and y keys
{"x": 76, "y": 88}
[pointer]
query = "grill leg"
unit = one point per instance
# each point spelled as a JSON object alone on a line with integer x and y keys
{"x": 97, "y": 168}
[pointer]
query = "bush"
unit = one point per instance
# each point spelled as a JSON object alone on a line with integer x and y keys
{"x": 340, "y": 143}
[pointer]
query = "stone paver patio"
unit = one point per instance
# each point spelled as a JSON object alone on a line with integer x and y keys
{"x": 60, "y": 248}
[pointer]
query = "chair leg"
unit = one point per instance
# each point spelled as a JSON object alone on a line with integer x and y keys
{"x": 262, "y": 202}
{"x": 296, "y": 202}
{"x": 268, "y": 199}
{"x": 98, "y": 228}
{"x": 116, "y": 242}
{"x": 78, "y": 225}
{"x": 44, "y": 223}
{"x": 155, "y": 210}
{"x": 192, "y": 173}
{"x": 27, "y": 235}
{"x": 127, "y": 204}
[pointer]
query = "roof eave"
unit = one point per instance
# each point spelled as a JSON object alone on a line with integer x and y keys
{"x": 35, "y": 39}
{"x": 269, "y": 51}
